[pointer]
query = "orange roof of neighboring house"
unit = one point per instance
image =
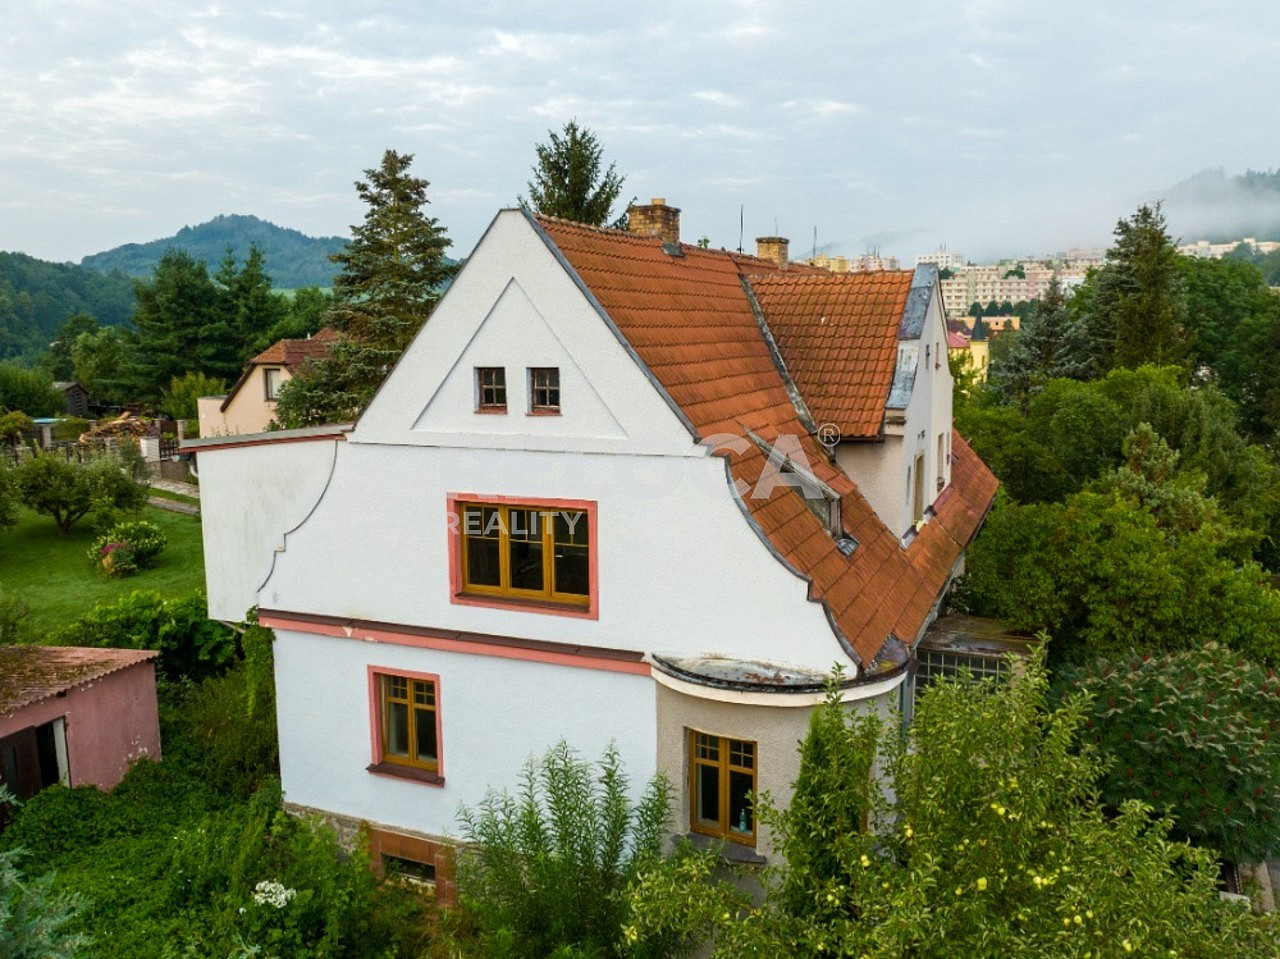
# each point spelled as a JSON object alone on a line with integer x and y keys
{"x": 838, "y": 334}
{"x": 956, "y": 341}
{"x": 690, "y": 323}
{"x": 291, "y": 353}
{"x": 29, "y": 674}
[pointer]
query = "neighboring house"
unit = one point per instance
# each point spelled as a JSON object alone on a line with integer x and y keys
{"x": 961, "y": 343}
{"x": 74, "y": 715}
{"x": 250, "y": 405}
{"x": 592, "y": 502}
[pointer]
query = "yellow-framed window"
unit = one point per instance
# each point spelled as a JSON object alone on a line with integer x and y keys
{"x": 410, "y": 731}
{"x": 722, "y": 774}
{"x": 526, "y": 552}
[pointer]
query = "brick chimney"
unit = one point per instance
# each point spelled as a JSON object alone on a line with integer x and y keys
{"x": 655, "y": 219}
{"x": 773, "y": 248}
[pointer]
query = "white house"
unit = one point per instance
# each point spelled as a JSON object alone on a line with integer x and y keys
{"x": 591, "y": 503}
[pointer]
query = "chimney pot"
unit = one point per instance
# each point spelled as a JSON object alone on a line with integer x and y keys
{"x": 655, "y": 219}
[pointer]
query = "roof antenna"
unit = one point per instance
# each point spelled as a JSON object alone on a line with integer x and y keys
{"x": 815, "y": 241}
{"x": 740, "y": 228}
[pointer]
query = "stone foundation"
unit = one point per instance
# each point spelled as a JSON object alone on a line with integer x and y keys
{"x": 436, "y": 854}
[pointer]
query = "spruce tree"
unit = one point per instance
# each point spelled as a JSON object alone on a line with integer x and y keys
{"x": 567, "y": 179}
{"x": 1052, "y": 344}
{"x": 1138, "y": 312}
{"x": 179, "y": 327}
{"x": 393, "y": 273}
{"x": 248, "y": 305}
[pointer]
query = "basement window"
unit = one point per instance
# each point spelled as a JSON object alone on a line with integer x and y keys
{"x": 410, "y": 871}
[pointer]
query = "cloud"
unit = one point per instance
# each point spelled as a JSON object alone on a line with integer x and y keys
{"x": 717, "y": 97}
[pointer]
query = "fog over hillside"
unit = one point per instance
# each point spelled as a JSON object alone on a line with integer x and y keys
{"x": 1214, "y": 206}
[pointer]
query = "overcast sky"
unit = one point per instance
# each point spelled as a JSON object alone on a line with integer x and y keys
{"x": 995, "y": 127}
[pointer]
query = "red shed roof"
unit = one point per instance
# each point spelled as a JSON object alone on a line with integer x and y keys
{"x": 29, "y": 674}
{"x": 838, "y": 333}
{"x": 687, "y": 315}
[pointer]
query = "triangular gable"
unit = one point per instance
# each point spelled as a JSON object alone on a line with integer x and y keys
{"x": 516, "y": 306}
{"x": 515, "y": 336}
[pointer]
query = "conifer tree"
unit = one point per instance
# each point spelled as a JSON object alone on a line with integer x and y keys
{"x": 393, "y": 273}
{"x": 249, "y": 306}
{"x": 179, "y": 327}
{"x": 1138, "y": 312}
{"x": 1052, "y": 344}
{"x": 568, "y": 181}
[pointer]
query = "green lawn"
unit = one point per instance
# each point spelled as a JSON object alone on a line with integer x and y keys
{"x": 54, "y": 576}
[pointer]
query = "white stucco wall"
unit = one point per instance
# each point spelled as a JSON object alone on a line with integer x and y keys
{"x": 250, "y": 497}
{"x": 680, "y": 569}
{"x": 515, "y": 306}
{"x": 494, "y": 714}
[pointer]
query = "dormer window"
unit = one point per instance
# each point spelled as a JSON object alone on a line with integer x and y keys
{"x": 544, "y": 389}
{"x": 491, "y": 389}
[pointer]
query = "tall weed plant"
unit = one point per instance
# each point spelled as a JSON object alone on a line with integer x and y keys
{"x": 546, "y": 870}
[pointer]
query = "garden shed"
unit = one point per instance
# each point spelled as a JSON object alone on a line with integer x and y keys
{"x": 75, "y": 715}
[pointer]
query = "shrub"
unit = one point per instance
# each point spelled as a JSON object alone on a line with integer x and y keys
{"x": 128, "y": 547}
{"x": 545, "y": 872}
{"x": 257, "y": 879}
{"x": 33, "y": 918}
{"x": 14, "y": 612}
{"x": 13, "y": 425}
{"x": 1196, "y": 736}
{"x": 190, "y": 644}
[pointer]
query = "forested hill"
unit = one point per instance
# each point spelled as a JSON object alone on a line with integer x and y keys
{"x": 37, "y": 297}
{"x": 292, "y": 258}
{"x": 1214, "y": 206}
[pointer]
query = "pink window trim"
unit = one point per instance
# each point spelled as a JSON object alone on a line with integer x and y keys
{"x": 458, "y": 597}
{"x": 375, "y": 713}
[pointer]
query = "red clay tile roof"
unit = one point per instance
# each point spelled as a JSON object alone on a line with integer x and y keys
{"x": 291, "y": 353}
{"x": 838, "y": 334}
{"x": 956, "y": 341}
{"x": 689, "y": 321}
{"x": 29, "y": 674}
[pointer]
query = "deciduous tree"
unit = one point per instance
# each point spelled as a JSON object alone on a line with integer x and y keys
{"x": 991, "y": 842}
{"x": 30, "y": 391}
{"x": 68, "y": 490}
{"x": 1195, "y": 735}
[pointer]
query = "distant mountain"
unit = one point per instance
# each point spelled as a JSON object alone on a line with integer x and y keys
{"x": 37, "y": 297}
{"x": 1219, "y": 208}
{"x": 293, "y": 259}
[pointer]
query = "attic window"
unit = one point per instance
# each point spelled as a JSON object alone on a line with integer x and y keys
{"x": 544, "y": 389}
{"x": 823, "y": 502}
{"x": 491, "y": 389}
